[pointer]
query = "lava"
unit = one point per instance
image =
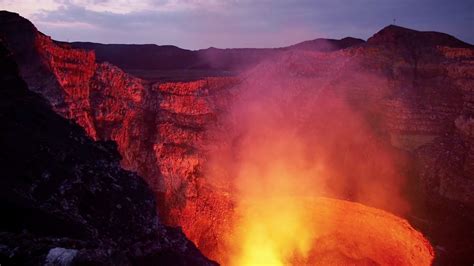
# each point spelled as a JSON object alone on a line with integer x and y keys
{"x": 271, "y": 232}
{"x": 324, "y": 231}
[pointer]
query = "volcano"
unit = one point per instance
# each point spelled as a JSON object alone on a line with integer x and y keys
{"x": 326, "y": 152}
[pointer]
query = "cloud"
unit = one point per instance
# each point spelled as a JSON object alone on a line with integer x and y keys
{"x": 117, "y": 6}
{"x": 237, "y": 23}
{"x": 29, "y": 7}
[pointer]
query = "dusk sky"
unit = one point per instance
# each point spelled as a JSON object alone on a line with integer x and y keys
{"x": 196, "y": 24}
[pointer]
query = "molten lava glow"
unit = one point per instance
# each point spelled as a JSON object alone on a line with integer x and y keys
{"x": 271, "y": 226}
{"x": 280, "y": 218}
{"x": 323, "y": 231}
{"x": 271, "y": 232}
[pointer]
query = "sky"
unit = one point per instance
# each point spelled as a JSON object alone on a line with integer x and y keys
{"x": 198, "y": 24}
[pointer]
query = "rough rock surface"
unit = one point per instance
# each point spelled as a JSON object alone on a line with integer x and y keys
{"x": 65, "y": 200}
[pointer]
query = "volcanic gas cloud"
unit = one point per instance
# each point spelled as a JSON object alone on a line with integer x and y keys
{"x": 293, "y": 138}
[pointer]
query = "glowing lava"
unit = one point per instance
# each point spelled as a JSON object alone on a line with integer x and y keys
{"x": 271, "y": 231}
{"x": 323, "y": 231}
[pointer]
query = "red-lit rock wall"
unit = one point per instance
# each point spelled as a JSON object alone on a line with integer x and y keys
{"x": 181, "y": 148}
{"x": 159, "y": 130}
{"x": 73, "y": 69}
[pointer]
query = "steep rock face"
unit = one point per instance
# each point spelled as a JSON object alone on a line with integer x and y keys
{"x": 431, "y": 106}
{"x": 446, "y": 165}
{"x": 182, "y": 147}
{"x": 116, "y": 103}
{"x": 159, "y": 129}
{"x": 73, "y": 70}
{"x": 65, "y": 198}
{"x": 430, "y": 113}
{"x": 452, "y": 153}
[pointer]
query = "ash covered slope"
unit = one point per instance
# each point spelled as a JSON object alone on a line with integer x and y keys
{"x": 64, "y": 197}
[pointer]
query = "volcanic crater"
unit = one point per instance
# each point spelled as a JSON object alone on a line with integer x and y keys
{"x": 331, "y": 152}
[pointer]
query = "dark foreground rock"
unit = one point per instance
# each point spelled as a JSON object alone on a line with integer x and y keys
{"x": 65, "y": 200}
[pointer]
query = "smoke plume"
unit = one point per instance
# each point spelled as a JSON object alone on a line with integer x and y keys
{"x": 304, "y": 125}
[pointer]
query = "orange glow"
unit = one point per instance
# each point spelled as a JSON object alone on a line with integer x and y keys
{"x": 289, "y": 144}
{"x": 271, "y": 232}
{"x": 280, "y": 218}
{"x": 323, "y": 231}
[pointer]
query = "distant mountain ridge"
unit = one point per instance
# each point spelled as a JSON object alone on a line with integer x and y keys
{"x": 167, "y": 62}
{"x": 396, "y": 35}
{"x": 168, "y": 57}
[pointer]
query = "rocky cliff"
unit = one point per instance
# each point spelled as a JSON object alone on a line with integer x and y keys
{"x": 158, "y": 129}
{"x": 65, "y": 200}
